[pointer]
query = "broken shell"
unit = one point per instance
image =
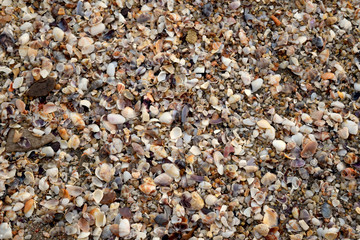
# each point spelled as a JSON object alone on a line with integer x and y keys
{"x": 148, "y": 187}
{"x": 268, "y": 179}
{"x": 29, "y": 207}
{"x": 264, "y": 124}
{"x": 74, "y": 142}
{"x": 124, "y": 228}
{"x": 262, "y": 229}
{"x": 105, "y": 172}
{"x": 196, "y": 202}
{"x": 175, "y": 133}
{"x": 74, "y": 191}
{"x": 36, "y": 73}
{"x": 128, "y": 113}
{"x": 309, "y": 149}
{"x": 270, "y": 217}
{"x": 98, "y": 195}
{"x": 163, "y": 179}
{"x": 115, "y": 119}
{"x": 171, "y": 169}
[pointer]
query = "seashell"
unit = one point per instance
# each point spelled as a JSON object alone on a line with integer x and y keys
{"x": 306, "y": 118}
{"x": 328, "y": 76}
{"x": 159, "y": 152}
{"x": 98, "y": 195}
{"x": 343, "y": 133}
{"x": 29, "y": 178}
{"x": 256, "y": 84}
{"x": 77, "y": 120}
{"x": 148, "y": 188}
{"x": 58, "y": 34}
{"x": 111, "y": 68}
{"x": 97, "y": 29}
{"x": 336, "y": 117}
{"x": 279, "y": 145}
{"x": 349, "y": 173}
{"x": 5, "y": 230}
{"x": 234, "y": 98}
{"x": 17, "y": 136}
{"x": 128, "y": 113}
{"x": 105, "y": 172}
{"x": 29, "y": 207}
{"x": 175, "y": 133}
{"x": 171, "y": 169}
{"x": 51, "y": 204}
{"x": 100, "y": 219}
{"x": 234, "y": 5}
{"x": 324, "y": 56}
{"x": 74, "y": 142}
{"x": 166, "y": 118}
{"x": 114, "y": 228}
{"x": 262, "y": 229}
{"x": 351, "y": 158}
{"x": 36, "y": 73}
{"x": 124, "y": 228}
{"x": 18, "y": 206}
{"x": 268, "y": 179}
{"x": 63, "y": 133}
{"x": 43, "y": 184}
{"x": 115, "y": 119}
{"x": 18, "y": 82}
{"x": 49, "y": 108}
{"x": 163, "y": 179}
{"x": 264, "y": 124}
{"x": 270, "y": 217}
{"x": 196, "y": 201}
{"x": 74, "y": 191}
{"x": 109, "y": 196}
{"x": 309, "y": 149}
{"x": 210, "y": 200}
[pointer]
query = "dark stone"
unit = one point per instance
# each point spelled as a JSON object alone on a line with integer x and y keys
{"x": 161, "y": 219}
{"x": 55, "y": 146}
{"x": 58, "y": 216}
{"x": 207, "y": 9}
{"x": 143, "y": 18}
{"x": 125, "y": 212}
{"x": 318, "y": 42}
{"x": 41, "y": 88}
{"x": 31, "y": 141}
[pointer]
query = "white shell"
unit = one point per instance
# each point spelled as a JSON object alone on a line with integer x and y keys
{"x": 97, "y": 29}
{"x": 128, "y": 113}
{"x": 115, "y": 118}
{"x": 175, "y": 133}
{"x": 279, "y": 145}
{"x": 166, "y": 118}
{"x": 105, "y": 172}
{"x": 172, "y": 170}
{"x": 264, "y": 124}
{"x": 98, "y": 195}
{"x": 163, "y": 179}
{"x": 74, "y": 190}
{"x": 124, "y": 228}
{"x": 256, "y": 84}
{"x": 58, "y": 34}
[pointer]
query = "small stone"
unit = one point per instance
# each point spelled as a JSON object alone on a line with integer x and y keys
{"x": 161, "y": 219}
{"x": 331, "y": 20}
{"x": 33, "y": 141}
{"x": 235, "y": 5}
{"x": 41, "y": 88}
{"x": 352, "y": 126}
{"x": 256, "y": 84}
{"x": 326, "y": 211}
{"x": 264, "y": 124}
{"x": 234, "y": 98}
{"x": 58, "y": 34}
{"x": 279, "y": 145}
{"x": 207, "y": 9}
{"x": 191, "y": 36}
{"x": 97, "y": 29}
